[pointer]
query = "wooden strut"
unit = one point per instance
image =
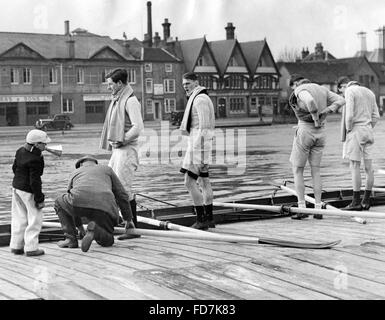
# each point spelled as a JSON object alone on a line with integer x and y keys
{"x": 278, "y": 209}
{"x": 328, "y": 206}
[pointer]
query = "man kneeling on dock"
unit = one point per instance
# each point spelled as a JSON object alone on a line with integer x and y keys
{"x": 93, "y": 195}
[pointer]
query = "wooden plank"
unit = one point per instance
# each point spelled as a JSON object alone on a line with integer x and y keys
{"x": 12, "y": 291}
{"x": 247, "y": 280}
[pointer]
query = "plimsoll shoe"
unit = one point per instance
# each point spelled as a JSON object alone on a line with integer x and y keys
{"x": 200, "y": 225}
{"x": 34, "y": 253}
{"x": 89, "y": 237}
{"x": 68, "y": 243}
{"x": 299, "y": 216}
{"x": 17, "y": 251}
{"x": 365, "y": 205}
{"x": 353, "y": 207}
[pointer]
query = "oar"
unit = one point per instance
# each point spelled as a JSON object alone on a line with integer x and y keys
{"x": 278, "y": 209}
{"x": 312, "y": 200}
{"x": 216, "y": 237}
{"x": 166, "y": 225}
{"x": 376, "y": 189}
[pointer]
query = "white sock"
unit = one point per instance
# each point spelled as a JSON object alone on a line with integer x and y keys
{"x": 318, "y": 205}
{"x": 301, "y": 204}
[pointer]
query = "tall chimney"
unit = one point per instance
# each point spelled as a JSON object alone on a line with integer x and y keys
{"x": 126, "y": 47}
{"x": 71, "y": 47}
{"x": 66, "y": 28}
{"x": 381, "y": 33}
{"x": 166, "y": 29}
{"x": 149, "y": 24}
{"x": 362, "y": 37}
{"x": 230, "y": 31}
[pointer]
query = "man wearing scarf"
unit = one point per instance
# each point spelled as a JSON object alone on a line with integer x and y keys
{"x": 360, "y": 115}
{"x": 198, "y": 123}
{"x": 122, "y": 127}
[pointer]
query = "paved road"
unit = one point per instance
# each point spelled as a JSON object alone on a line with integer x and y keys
{"x": 266, "y": 150}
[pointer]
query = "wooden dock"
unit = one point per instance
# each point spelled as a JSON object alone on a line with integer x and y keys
{"x": 175, "y": 269}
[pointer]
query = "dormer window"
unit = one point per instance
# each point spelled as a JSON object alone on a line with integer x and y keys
{"x": 200, "y": 61}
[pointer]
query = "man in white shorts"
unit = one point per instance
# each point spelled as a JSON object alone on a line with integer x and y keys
{"x": 359, "y": 118}
{"x": 310, "y": 103}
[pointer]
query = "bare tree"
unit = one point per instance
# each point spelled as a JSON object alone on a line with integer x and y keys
{"x": 289, "y": 55}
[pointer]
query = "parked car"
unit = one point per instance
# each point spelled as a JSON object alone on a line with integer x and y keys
{"x": 57, "y": 122}
{"x": 176, "y": 117}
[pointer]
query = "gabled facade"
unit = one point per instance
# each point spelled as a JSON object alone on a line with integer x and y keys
{"x": 46, "y": 74}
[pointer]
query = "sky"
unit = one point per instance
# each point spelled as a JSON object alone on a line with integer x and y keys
{"x": 286, "y": 24}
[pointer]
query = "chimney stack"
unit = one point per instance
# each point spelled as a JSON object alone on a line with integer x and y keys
{"x": 149, "y": 24}
{"x": 166, "y": 29}
{"x": 126, "y": 47}
{"x": 362, "y": 37}
{"x": 71, "y": 47}
{"x": 66, "y": 28}
{"x": 381, "y": 34}
{"x": 156, "y": 39}
{"x": 230, "y": 31}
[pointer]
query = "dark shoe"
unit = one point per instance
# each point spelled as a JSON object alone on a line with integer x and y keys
{"x": 299, "y": 216}
{"x": 211, "y": 223}
{"x": 68, "y": 243}
{"x": 127, "y": 236}
{"x": 353, "y": 207}
{"x": 318, "y": 216}
{"x": 200, "y": 225}
{"x": 17, "y": 251}
{"x": 365, "y": 205}
{"x": 34, "y": 253}
{"x": 89, "y": 237}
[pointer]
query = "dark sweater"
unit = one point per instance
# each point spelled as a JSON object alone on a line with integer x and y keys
{"x": 28, "y": 168}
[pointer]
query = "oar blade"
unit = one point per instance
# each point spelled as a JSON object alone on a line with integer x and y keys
{"x": 300, "y": 245}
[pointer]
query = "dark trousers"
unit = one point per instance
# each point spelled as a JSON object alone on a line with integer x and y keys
{"x": 71, "y": 217}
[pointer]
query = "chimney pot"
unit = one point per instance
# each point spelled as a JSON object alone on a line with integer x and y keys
{"x": 66, "y": 28}
{"x": 166, "y": 29}
{"x": 229, "y": 31}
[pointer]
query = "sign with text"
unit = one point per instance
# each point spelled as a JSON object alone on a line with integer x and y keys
{"x": 96, "y": 97}
{"x": 158, "y": 89}
{"x": 28, "y": 98}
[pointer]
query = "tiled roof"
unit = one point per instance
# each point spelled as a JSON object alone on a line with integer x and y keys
{"x": 222, "y": 51}
{"x": 252, "y": 51}
{"x": 191, "y": 50}
{"x": 318, "y": 72}
{"x": 158, "y": 55}
{"x": 379, "y": 69}
{"x": 54, "y": 46}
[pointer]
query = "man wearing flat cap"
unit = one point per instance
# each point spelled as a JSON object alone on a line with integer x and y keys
{"x": 94, "y": 195}
{"x": 310, "y": 103}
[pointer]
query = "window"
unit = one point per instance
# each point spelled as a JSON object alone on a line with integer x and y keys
{"x": 105, "y": 72}
{"x": 206, "y": 81}
{"x": 253, "y": 104}
{"x": 169, "y": 85}
{"x": 237, "y": 105}
{"x": 80, "y": 75}
{"x": 148, "y": 67}
{"x": 14, "y": 76}
{"x": 200, "y": 61}
{"x": 149, "y": 85}
{"x": 234, "y": 82}
{"x": 68, "y": 106}
{"x": 2, "y": 111}
{"x": 131, "y": 76}
{"x": 168, "y": 67}
{"x": 149, "y": 106}
{"x": 27, "y": 75}
{"x": 232, "y": 62}
{"x": 37, "y": 108}
{"x": 169, "y": 105}
{"x": 53, "y": 75}
{"x": 94, "y": 106}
